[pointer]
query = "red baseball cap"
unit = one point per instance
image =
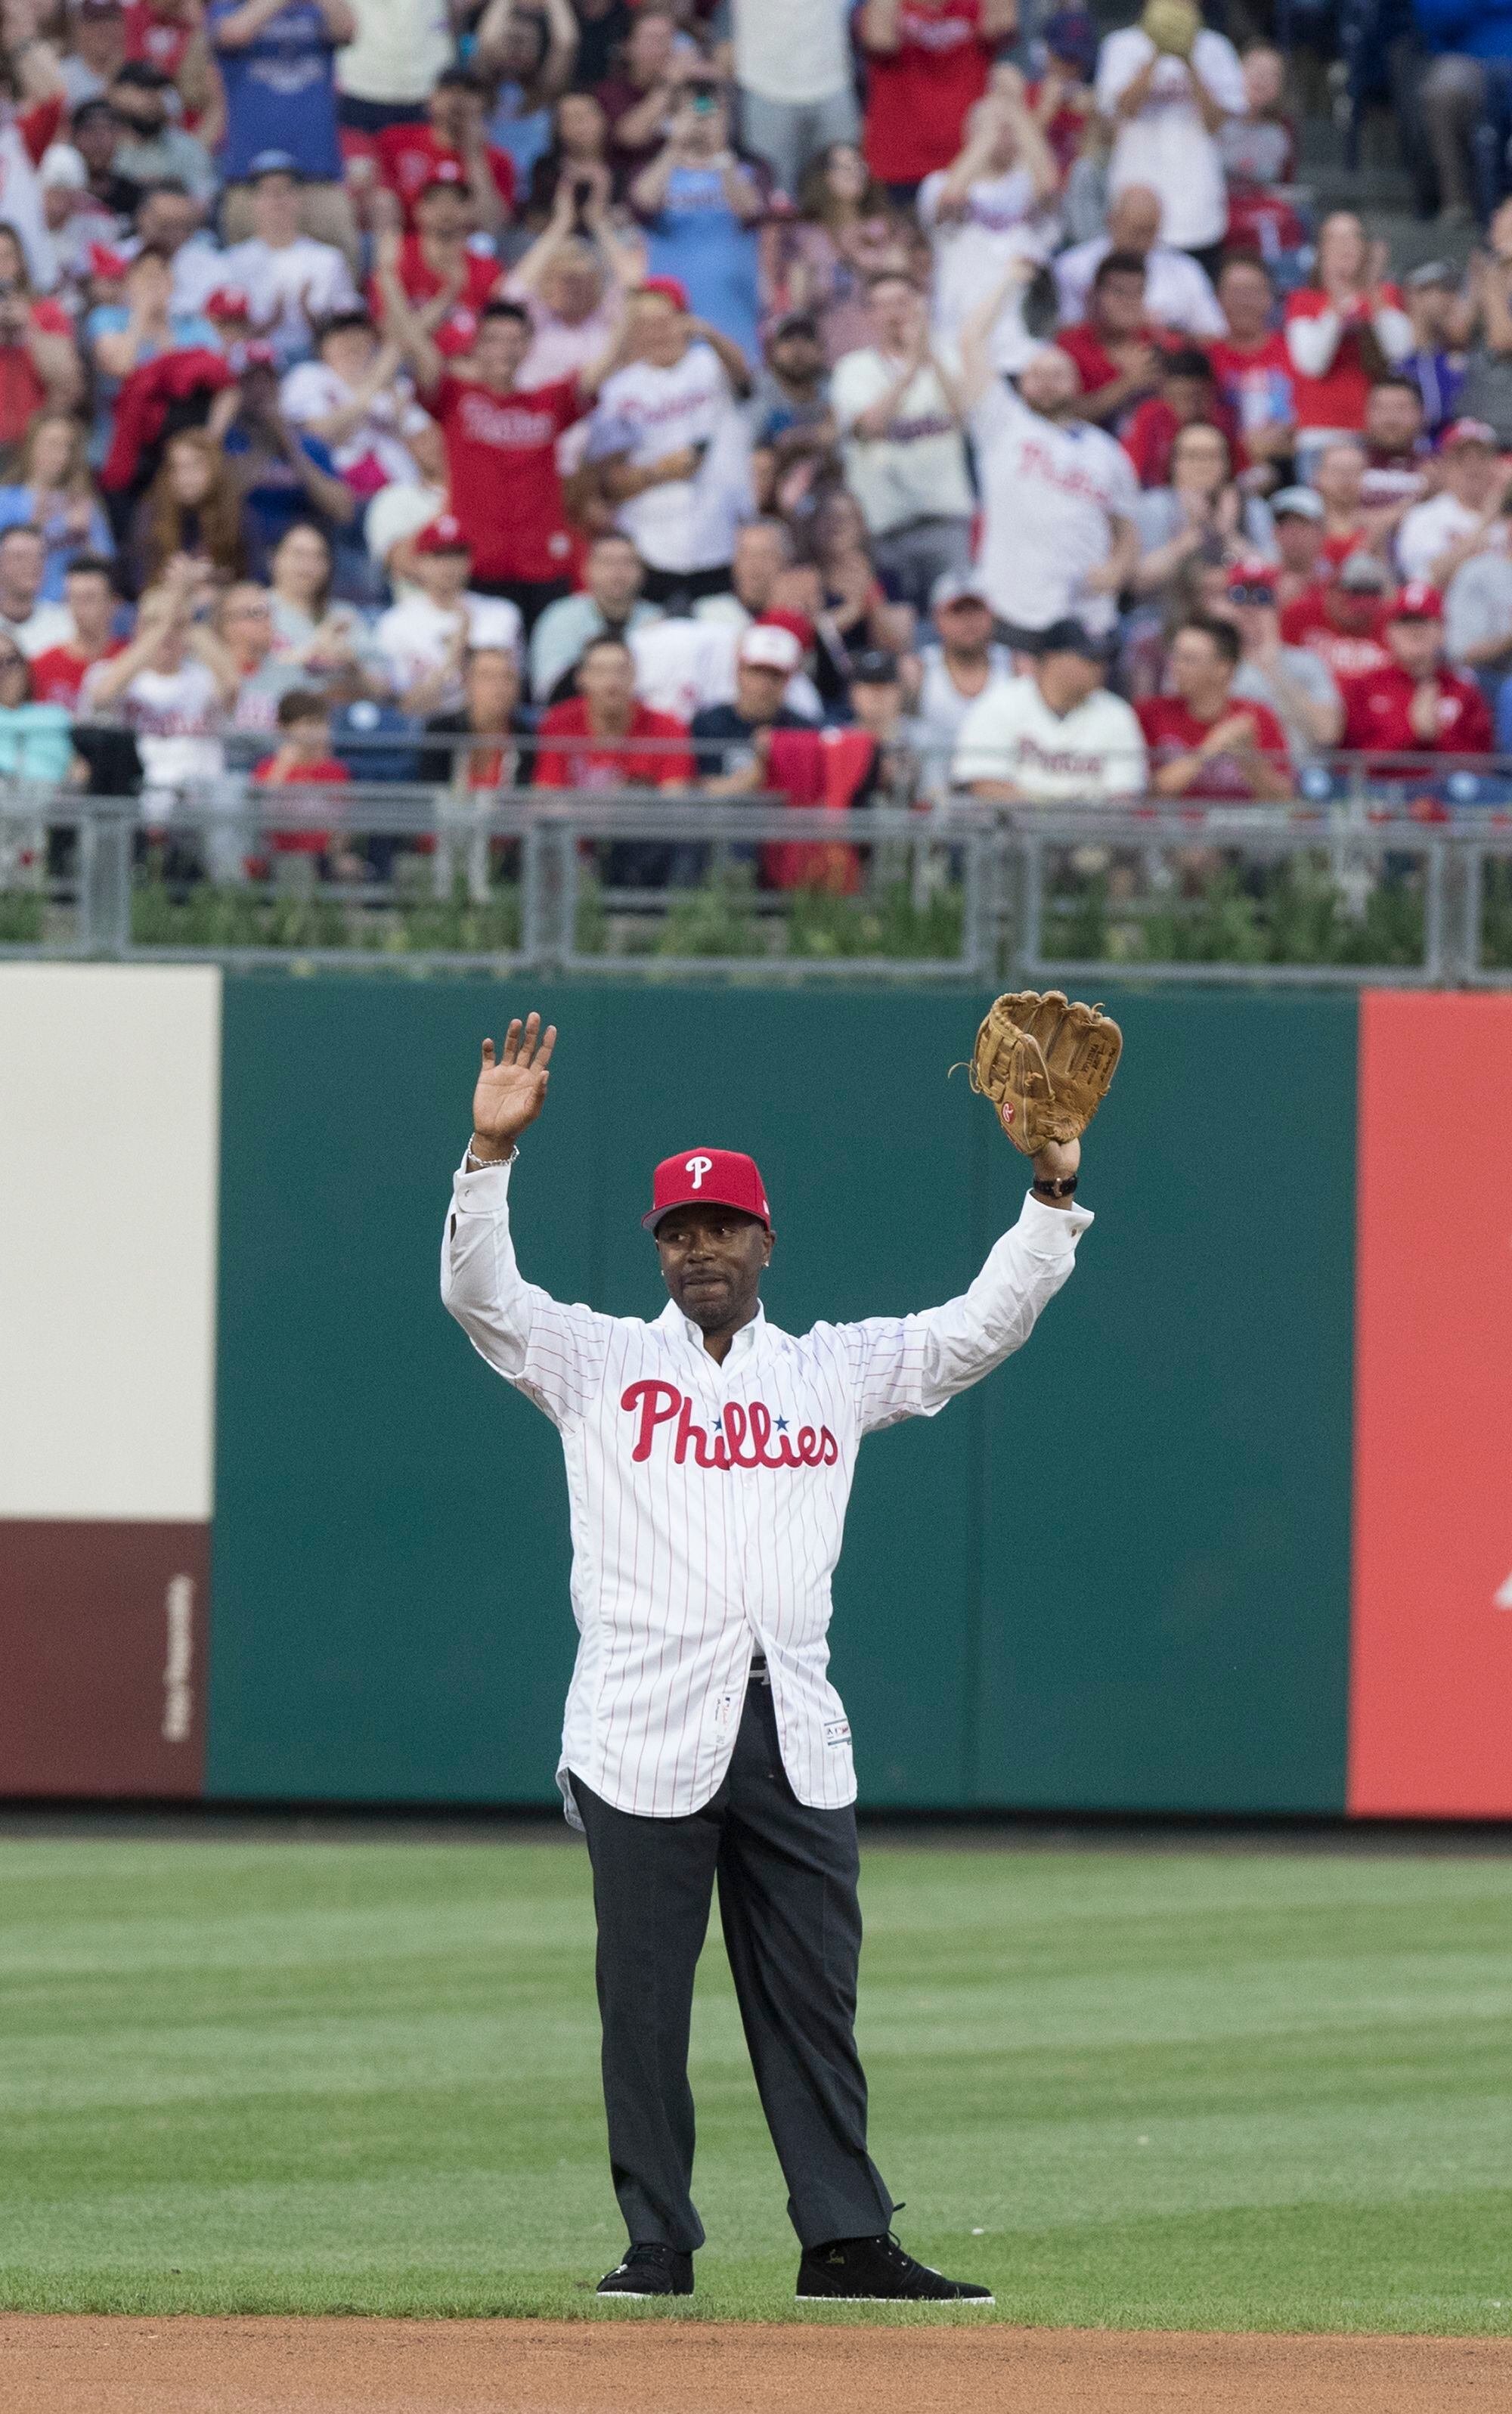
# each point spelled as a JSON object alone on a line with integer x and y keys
{"x": 1417, "y": 601}
{"x": 713, "y": 1177}
{"x": 798, "y": 624}
{"x": 228, "y": 302}
{"x": 1468, "y": 431}
{"x": 671, "y": 289}
{"x": 443, "y": 535}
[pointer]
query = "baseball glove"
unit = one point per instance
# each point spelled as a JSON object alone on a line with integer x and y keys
{"x": 1045, "y": 1063}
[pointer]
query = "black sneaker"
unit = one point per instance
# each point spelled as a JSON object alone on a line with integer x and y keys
{"x": 857, "y": 2271}
{"x": 649, "y": 2272}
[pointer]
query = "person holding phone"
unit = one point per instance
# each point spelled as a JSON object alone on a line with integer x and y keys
{"x": 700, "y": 204}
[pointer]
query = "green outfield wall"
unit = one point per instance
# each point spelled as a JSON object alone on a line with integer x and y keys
{"x": 1232, "y": 1534}
{"x": 1117, "y": 1574}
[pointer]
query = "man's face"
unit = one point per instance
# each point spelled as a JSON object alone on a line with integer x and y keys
{"x": 897, "y": 315}
{"x": 573, "y": 287}
{"x": 455, "y": 115}
{"x": 493, "y": 689}
{"x": 661, "y": 330}
{"x": 1134, "y": 222}
{"x": 648, "y": 52}
{"x": 759, "y": 692}
{"x": 1199, "y": 458}
{"x": 95, "y": 138}
{"x": 1190, "y": 398}
{"x": 144, "y": 111}
{"x": 1299, "y": 542}
{"x": 1393, "y": 417}
{"x": 966, "y": 625}
{"x": 349, "y": 352}
{"x": 1338, "y": 475}
{"x": 1417, "y": 646}
{"x": 1067, "y": 680}
{"x": 1354, "y": 609}
{"x": 798, "y": 356}
{"x": 89, "y": 599}
{"x": 441, "y": 214}
{"x": 712, "y": 1261}
{"x": 1118, "y": 306}
{"x": 760, "y": 556}
{"x": 614, "y": 578}
{"x": 877, "y": 705}
{"x": 1244, "y": 297}
{"x": 246, "y": 623}
{"x": 1470, "y": 472}
{"x": 1196, "y": 665}
{"x": 275, "y": 209}
{"x": 443, "y": 576}
{"x": 166, "y": 219}
{"x": 1050, "y": 383}
{"x": 606, "y": 680}
{"x": 500, "y": 349}
{"x": 22, "y": 565}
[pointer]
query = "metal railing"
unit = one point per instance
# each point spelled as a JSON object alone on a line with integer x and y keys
{"x": 1356, "y": 888}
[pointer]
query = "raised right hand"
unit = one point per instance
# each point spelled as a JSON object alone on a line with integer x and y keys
{"x": 512, "y": 1087}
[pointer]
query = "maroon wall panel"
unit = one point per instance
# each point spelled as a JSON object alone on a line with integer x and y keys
{"x": 103, "y": 1633}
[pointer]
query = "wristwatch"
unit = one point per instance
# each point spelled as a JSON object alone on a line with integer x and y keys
{"x": 1060, "y": 1188}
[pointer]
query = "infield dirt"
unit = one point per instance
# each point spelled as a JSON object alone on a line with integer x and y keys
{"x": 88, "y": 2364}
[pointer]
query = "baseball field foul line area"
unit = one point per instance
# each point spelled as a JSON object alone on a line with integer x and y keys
{"x": 82, "y": 2365}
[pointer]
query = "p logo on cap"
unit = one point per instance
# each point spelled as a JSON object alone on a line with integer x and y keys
{"x": 710, "y": 1177}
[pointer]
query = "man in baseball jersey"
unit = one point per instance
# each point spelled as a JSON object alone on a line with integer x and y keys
{"x": 709, "y": 1459}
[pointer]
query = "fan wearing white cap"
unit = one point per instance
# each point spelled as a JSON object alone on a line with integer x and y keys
{"x": 732, "y": 736}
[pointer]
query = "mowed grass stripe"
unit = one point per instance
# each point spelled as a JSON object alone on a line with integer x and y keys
{"x": 1165, "y": 2088}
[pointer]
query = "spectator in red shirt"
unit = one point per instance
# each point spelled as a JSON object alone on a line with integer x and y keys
{"x": 1202, "y": 743}
{"x": 1416, "y": 705}
{"x": 927, "y": 62}
{"x": 1187, "y": 397}
{"x": 408, "y": 155}
{"x": 1343, "y": 619}
{"x": 500, "y": 442}
{"x": 1113, "y": 347}
{"x": 606, "y": 738}
{"x": 304, "y": 760}
{"x": 1341, "y": 332}
{"x": 89, "y": 592}
{"x": 1251, "y": 364}
{"x": 446, "y": 281}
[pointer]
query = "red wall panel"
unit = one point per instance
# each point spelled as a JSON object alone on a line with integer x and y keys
{"x": 1430, "y": 1694}
{"x": 102, "y": 1645}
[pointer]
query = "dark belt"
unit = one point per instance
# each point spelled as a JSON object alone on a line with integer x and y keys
{"x": 758, "y": 1669}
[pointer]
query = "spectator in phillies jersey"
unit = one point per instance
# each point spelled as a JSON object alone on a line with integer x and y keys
{"x": 1057, "y": 735}
{"x": 984, "y": 209}
{"x": 501, "y": 445}
{"x": 927, "y": 61}
{"x": 1417, "y": 705}
{"x": 1438, "y": 535}
{"x": 1343, "y": 618}
{"x": 1204, "y": 744}
{"x": 1341, "y": 332}
{"x": 605, "y": 737}
{"x": 1113, "y": 347}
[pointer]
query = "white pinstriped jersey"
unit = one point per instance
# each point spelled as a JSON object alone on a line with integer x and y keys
{"x": 708, "y": 1501}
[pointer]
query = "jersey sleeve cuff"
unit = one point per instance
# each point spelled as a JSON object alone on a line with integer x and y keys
{"x": 483, "y": 1192}
{"x": 1051, "y": 1232}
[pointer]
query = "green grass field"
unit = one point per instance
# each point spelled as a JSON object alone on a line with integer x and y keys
{"x": 1186, "y": 2089}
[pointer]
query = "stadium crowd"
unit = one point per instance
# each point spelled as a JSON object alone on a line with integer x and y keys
{"x": 916, "y": 399}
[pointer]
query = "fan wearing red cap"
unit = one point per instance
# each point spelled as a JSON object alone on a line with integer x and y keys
{"x": 1417, "y": 706}
{"x": 710, "y": 1457}
{"x": 682, "y": 479}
